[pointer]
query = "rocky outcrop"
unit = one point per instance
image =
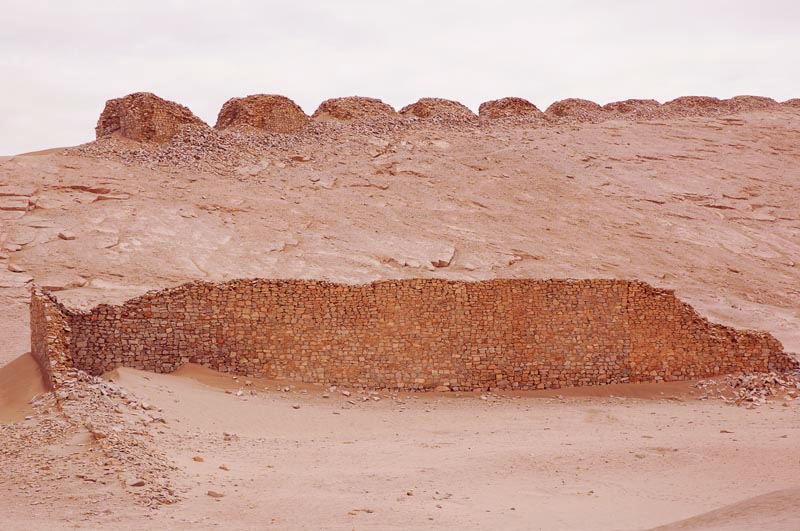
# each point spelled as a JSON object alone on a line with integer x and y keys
{"x": 267, "y": 112}
{"x": 145, "y": 117}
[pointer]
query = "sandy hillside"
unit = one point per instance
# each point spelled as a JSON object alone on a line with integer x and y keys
{"x": 705, "y": 205}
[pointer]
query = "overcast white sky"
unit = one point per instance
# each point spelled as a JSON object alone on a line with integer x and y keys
{"x": 60, "y": 60}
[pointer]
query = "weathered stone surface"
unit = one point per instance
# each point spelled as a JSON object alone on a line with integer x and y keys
{"x": 694, "y": 105}
{"x": 439, "y": 109}
{"x": 144, "y": 117}
{"x": 576, "y": 109}
{"x": 634, "y": 108}
{"x": 269, "y": 112}
{"x": 407, "y": 334}
{"x": 353, "y": 108}
{"x": 508, "y": 108}
{"x": 19, "y": 204}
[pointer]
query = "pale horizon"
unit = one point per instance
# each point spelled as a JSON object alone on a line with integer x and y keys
{"x": 63, "y": 62}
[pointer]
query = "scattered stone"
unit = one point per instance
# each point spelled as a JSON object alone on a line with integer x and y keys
{"x": 215, "y": 494}
{"x": 66, "y": 235}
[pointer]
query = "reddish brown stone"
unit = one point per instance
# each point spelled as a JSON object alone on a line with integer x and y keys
{"x": 277, "y": 114}
{"x": 406, "y": 334}
{"x": 353, "y": 108}
{"x": 144, "y": 117}
{"x": 508, "y": 108}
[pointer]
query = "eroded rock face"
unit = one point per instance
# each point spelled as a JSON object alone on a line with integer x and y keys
{"x": 508, "y": 108}
{"x": 144, "y": 117}
{"x": 269, "y": 112}
{"x": 576, "y": 109}
{"x": 438, "y": 108}
{"x": 353, "y": 108}
{"x": 794, "y": 102}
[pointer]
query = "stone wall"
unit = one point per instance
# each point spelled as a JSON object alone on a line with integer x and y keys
{"x": 353, "y": 108}
{"x": 144, "y": 117}
{"x": 50, "y": 337}
{"x": 421, "y": 334}
{"x": 270, "y": 112}
{"x": 508, "y": 108}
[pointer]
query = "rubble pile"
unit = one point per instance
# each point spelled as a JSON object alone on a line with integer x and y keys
{"x": 510, "y": 108}
{"x": 119, "y": 427}
{"x": 144, "y": 129}
{"x": 749, "y": 103}
{"x": 693, "y": 106}
{"x": 635, "y": 109}
{"x": 753, "y": 389}
{"x": 193, "y": 147}
{"x": 268, "y": 112}
{"x": 440, "y": 111}
{"x": 577, "y": 110}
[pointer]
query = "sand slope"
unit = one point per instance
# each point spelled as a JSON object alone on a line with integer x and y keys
{"x": 776, "y": 511}
{"x": 20, "y": 381}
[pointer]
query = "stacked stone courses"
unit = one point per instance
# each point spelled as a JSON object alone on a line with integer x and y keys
{"x": 410, "y": 334}
{"x": 50, "y": 337}
{"x": 145, "y": 117}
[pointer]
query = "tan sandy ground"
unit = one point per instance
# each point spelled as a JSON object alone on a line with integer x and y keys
{"x": 436, "y": 461}
{"x": 707, "y": 206}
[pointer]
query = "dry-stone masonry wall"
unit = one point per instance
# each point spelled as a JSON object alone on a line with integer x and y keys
{"x": 353, "y": 108}
{"x": 413, "y": 334}
{"x": 508, "y": 108}
{"x": 50, "y": 337}
{"x": 439, "y": 109}
{"x": 145, "y": 117}
{"x": 270, "y": 112}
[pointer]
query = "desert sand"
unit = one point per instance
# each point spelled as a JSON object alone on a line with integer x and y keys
{"x": 705, "y": 205}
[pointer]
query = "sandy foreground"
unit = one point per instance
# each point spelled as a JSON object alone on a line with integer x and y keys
{"x": 706, "y": 206}
{"x": 311, "y": 458}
